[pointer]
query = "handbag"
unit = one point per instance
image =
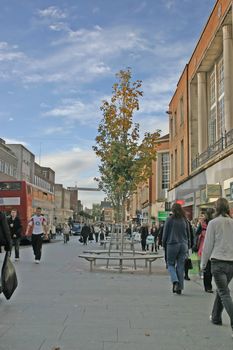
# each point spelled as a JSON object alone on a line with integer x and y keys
{"x": 189, "y": 264}
{"x": 8, "y": 277}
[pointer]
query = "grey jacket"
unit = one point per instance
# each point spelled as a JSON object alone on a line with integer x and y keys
{"x": 218, "y": 242}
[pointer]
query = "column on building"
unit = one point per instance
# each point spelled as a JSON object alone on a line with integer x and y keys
{"x": 202, "y": 111}
{"x": 228, "y": 75}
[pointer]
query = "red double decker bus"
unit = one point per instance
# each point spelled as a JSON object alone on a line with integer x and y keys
{"x": 25, "y": 198}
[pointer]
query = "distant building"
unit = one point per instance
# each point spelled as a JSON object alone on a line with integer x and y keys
{"x": 26, "y": 162}
{"x": 62, "y": 204}
{"x": 8, "y": 162}
{"x": 147, "y": 204}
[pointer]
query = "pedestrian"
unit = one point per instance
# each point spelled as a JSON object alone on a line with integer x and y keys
{"x": 128, "y": 232}
{"x": 102, "y": 234}
{"x": 218, "y": 248}
{"x": 38, "y": 226}
{"x": 15, "y": 226}
{"x": 66, "y": 232}
{"x": 96, "y": 233}
{"x": 155, "y": 233}
{"x": 201, "y": 232}
{"x": 188, "y": 262}
{"x": 85, "y": 233}
{"x": 5, "y": 236}
{"x": 175, "y": 241}
{"x": 90, "y": 237}
{"x": 144, "y": 233}
{"x": 150, "y": 242}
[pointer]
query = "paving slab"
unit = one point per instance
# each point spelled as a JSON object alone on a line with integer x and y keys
{"x": 61, "y": 304}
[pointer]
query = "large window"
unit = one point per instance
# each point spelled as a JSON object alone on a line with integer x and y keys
{"x": 182, "y": 158}
{"x": 221, "y": 110}
{"x": 165, "y": 170}
{"x": 212, "y": 115}
{"x": 216, "y": 120}
{"x": 181, "y": 110}
{"x": 175, "y": 164}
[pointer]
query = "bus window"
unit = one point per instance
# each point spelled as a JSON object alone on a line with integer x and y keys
{"x": 10, "y": 186}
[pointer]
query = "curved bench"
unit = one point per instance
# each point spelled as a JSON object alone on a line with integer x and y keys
{"x": 93, "y": 257}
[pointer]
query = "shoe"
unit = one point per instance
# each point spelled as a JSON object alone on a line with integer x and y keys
{"x": 178, "y": 291}
{"x": 16, "y": 259}
{"x": 209, "y": 291}
{"x": 186, "y": 278}
{"x": 218, "y": 323}
{"x": 37, "y": 261}
{"x": 175, "y": 287}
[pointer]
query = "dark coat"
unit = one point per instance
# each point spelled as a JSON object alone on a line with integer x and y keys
{"x": 16, "y": 229}
{"x": 176, "y": 230}
{"x": 85, "y": 231}
{"x": 5, "y": 237}
{"x": 144, "y": 232}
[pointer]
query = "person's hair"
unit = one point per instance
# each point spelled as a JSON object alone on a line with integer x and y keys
{"x": 39, "y": 208}
{"x": 209, "y": 214}
{"x": 222, "y": 207}
{"x": 178, "y": 211}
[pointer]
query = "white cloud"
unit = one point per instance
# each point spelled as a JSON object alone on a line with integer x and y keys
{"x": 10, "y": 52}
{"x": 77, "y": 110}
{"x": 52, "y": 12}
{"x": 76, "y": 166}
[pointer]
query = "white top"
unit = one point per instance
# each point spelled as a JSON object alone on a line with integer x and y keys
{"x": 218, "y": 242}
{"x": 38, "y": 222}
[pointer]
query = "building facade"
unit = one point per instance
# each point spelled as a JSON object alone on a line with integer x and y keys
{"x": 202, "y": 167}
{"x": 26, "y": 162}
{"x": 147, "y": 204}
{"x": 8, "y": 162}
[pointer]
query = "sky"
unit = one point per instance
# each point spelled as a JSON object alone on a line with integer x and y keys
{"x": 58, "y": 61}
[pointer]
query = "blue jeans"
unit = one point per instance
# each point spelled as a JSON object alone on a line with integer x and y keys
{"x": 176, "y": 254}
{"x": 16, "y": 243}
{"x": 223, "y": 274}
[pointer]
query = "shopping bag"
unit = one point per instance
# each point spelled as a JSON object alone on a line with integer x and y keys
{"x": 8, "y": 277}
{"x": 195, "y": 263}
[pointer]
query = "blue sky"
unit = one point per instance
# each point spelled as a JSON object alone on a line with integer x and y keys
{"x": 58, "y": 61}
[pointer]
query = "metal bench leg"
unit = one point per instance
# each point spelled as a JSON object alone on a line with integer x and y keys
{"x": 107, "y": 264}
{"x": 121, "y": 265}
{"x": 135, "y": 265}
{"x": 91, "y": 265}
{"x": 150, "y": 262}
{"x": 145, "y": 263}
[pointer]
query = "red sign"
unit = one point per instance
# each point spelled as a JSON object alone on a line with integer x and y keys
{"x": 180, "y": 201}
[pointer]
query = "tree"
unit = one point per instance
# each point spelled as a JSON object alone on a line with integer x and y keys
{"x": 125, "y": 160}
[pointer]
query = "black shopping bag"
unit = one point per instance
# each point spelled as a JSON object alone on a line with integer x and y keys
{"x": 8, "y": 277}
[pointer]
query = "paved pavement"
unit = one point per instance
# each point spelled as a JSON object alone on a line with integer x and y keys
{"x": 59, "y": 304}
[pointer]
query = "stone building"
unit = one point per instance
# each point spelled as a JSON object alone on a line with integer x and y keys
{"x": 202, "y": 151}
{"x": 8, "y": 162}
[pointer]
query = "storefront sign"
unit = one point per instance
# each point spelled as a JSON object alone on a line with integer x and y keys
{"x": 231, "y": 190}
{"x": 163, "y": 215}
{"x": 213, "y": 191}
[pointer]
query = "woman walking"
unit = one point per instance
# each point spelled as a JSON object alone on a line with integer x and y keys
{"x": 175, "y": 241}
{"x": 201, "y": 232}
{"x": 218, "y": 248}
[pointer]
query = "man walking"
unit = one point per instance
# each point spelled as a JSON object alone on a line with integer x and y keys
{"x": 38, "y": 224}
{"x": 15, "y": 229}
